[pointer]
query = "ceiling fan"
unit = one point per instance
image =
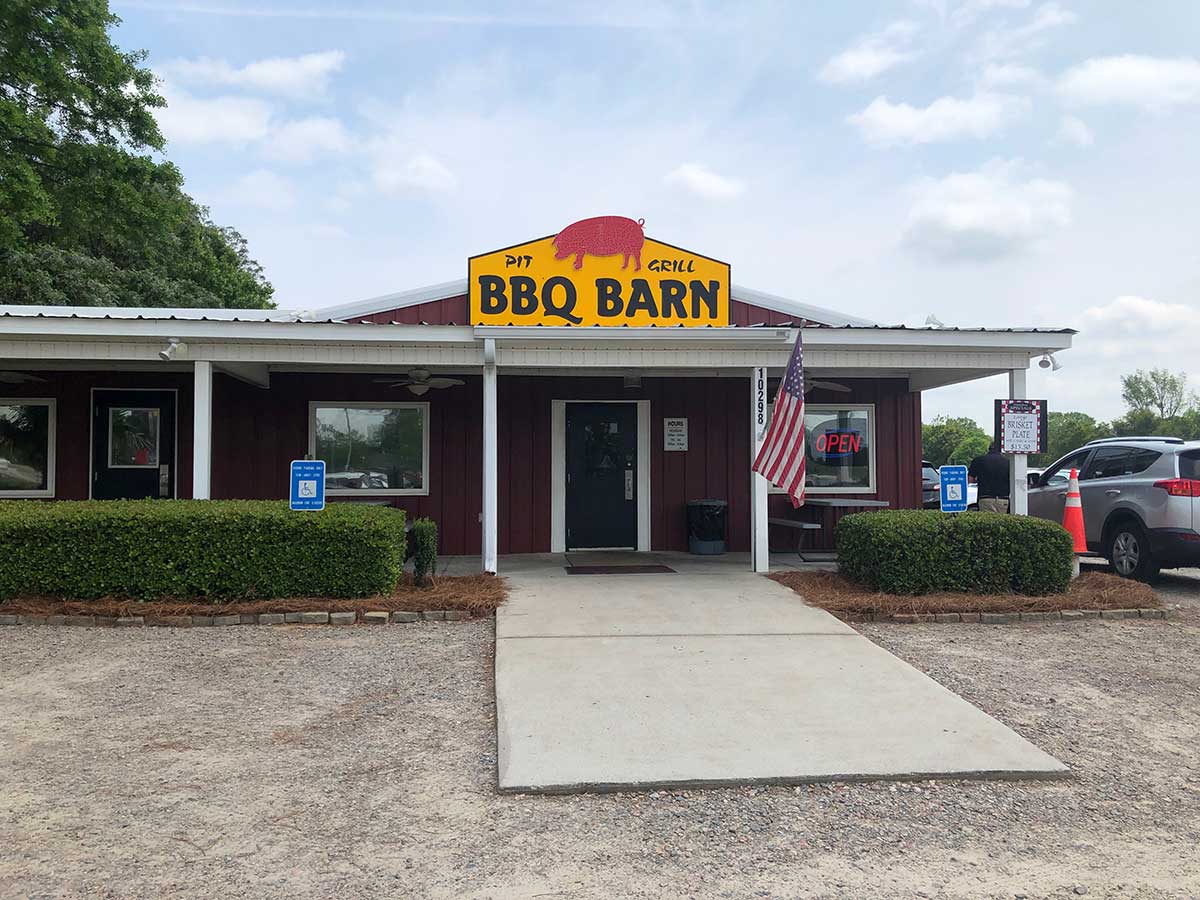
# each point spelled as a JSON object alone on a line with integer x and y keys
{"x": 418, "y": 381}
{"x": 19, "y": 378}
{"x": 826, "y": 386}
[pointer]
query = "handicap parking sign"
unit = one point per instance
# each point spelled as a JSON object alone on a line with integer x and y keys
{"x": 308, "y": 484}
{"x": 954, "y": 488}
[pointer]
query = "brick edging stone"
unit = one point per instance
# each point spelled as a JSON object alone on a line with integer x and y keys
{"x": 327, "y": 617}
{"x": 1009, "y": 618}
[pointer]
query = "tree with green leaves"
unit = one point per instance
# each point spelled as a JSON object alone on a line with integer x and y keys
{"x": 1164, "y": 393}
{"x": 956, "y": 441}
{"x": 1067, "y": 431}
{"x": 88, "y": 215}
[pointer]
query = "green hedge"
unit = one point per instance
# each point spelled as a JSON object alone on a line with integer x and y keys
{"x": 424, "y": 547}
{"x": 187, "y": 549}
{"x": 923, "y": 551}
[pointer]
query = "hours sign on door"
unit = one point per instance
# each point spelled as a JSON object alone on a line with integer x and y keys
{"x": 1021, "y": 425}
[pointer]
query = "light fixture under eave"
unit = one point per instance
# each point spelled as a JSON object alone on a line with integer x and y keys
{"x": 418, "y": 389}
{"x": 1049, "y": 361}
{"x": 175, "y": 349}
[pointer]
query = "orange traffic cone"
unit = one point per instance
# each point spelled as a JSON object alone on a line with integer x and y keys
{"x": 1073, "y": 518}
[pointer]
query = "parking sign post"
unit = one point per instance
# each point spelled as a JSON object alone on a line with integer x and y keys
{"x": 307, "y": 485}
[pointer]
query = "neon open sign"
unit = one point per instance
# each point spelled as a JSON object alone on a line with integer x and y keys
{"x": 835, "y": 444}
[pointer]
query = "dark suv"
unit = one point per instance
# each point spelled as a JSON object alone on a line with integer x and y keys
{"x": 1141, "y": 501}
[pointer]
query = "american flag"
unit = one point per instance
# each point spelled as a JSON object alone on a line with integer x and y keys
{"x": 781, "y": 459}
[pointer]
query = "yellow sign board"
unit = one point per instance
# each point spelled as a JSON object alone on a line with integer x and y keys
{"x": 601, "y": 271}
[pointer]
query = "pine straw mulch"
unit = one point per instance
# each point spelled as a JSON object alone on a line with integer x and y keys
{"x": 478, "y": 594}
{"x": 839, "y": 595}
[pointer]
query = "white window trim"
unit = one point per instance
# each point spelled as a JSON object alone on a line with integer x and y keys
{"x": 869, "y": 409}
{"x": 157, "y": 436}
{"x": 51, "y": 440}
{"x": 558, "y": 474}
{"x": 422, "y": 491}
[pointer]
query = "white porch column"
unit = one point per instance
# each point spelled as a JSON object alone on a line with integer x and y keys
{"x": 202, "y": 431}
{"x": 760, "y": 556}
{"x": 1018, "y": 463}
{"x": 489, "y": 457}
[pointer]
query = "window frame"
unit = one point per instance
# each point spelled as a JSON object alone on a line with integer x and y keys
{"x": 423, "y": 406}
{"x": 51, "y": 404}
{"x": 872, "y": 487}
{"x": 157, "y": 438}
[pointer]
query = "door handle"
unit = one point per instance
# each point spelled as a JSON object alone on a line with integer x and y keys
{"x": 1112, "y": 492}
{"x": 629, "y": 484}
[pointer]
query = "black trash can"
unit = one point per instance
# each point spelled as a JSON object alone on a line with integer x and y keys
{"x": 707, "y": 520}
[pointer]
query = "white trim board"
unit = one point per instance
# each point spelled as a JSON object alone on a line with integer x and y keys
{"x": 558, "y": 472}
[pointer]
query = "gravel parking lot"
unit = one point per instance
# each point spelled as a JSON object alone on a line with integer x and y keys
{"x": 339, "y": 762}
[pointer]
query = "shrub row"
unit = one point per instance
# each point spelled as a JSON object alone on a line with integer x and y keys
{"x": 925, "y": 551}
{"x": 215, "y": 549}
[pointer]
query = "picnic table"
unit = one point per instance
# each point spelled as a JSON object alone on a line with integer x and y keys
{"x": 829, "y": 502}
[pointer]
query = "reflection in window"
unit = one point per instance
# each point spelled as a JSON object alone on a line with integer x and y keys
{"x": 839, "y": 448}
{"x": 377, "y": 448}
{"x": 133, "y": 437}
{"x": 25, "y": 451}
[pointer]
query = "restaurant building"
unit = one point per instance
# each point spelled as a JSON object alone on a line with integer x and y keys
{"x": 573, "y": 392}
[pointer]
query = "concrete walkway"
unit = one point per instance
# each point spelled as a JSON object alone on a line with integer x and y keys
{"x": 715, "y": 676}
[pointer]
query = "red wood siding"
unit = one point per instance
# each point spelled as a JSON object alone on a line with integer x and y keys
{"x": 453, "y": 311}
{"x": 257, "y": 432}
{"x": 73, "y": 391}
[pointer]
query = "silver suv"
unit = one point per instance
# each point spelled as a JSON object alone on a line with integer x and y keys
{"x": 1141, "y": 501}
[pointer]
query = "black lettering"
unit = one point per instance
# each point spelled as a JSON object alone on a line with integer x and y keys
{"x": 706, "y": 293}
{"x": 492, "y": 299}
{"x": 567, "y": 310}
{"x": 673, "y": 293}
{"x": 691, "y": 265}
{"x": 608, "y": 297}
{"x": 524, "y": 295}
{"x": 655, "y": 265}
{"x": 640, "y": 299}
{"x": 509, "y": 260}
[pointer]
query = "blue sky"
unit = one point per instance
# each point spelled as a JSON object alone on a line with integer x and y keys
{"x": 995, "y": 162}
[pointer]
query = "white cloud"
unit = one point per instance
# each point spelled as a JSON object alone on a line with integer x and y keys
{"x": 970, "y": 11}
{"x": 871, "y": 55}
{"x": 1145, "y": 81}
{"x": 985, "y": 215}
{"x": 947, "y": 118}
{"x": 1133, "y": 329}
{"x": 1074, "y": 131}
{"x": 1010, "y": 75}
{"x": 291, "y": 75}
{"x": 263, "y": 189}
{"x": 194, "y": 120}
{"x": 1009, "y": 42}
{"x": 705, "y": 182}
{"x": 421, "y": 171}
{"x": 302, "y": 140}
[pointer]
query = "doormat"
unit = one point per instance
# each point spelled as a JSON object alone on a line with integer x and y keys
{"x": 619, "y": 570}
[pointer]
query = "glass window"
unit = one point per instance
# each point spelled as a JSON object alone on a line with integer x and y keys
{"x": 377, "y": 448}
{"x": 26, "y": 448}
{"x": 1189, "y": 464}
{"x": 1113, "y": 462}
{"x": 133, "y": 434}
{"x": 839, "y": 448}
{"x": 1058, "y": 475}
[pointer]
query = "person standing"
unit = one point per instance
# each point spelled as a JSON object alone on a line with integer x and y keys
{"x": 990, "y": 472}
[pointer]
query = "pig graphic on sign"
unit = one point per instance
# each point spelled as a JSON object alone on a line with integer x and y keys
{"x": 602, "y": 236}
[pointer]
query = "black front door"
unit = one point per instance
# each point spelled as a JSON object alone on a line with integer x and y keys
{"x": 601, "y": 475}
{"x": 133, "y": 444}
